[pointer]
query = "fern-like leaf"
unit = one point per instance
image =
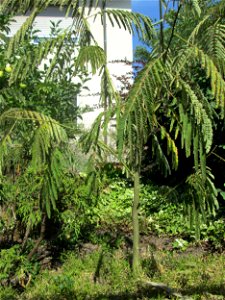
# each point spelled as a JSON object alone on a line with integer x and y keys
{"x": 91, "y": 57}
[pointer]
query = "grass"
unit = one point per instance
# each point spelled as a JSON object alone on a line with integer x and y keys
{"x": 200, "y": 276}
{"x": 106, "y": 274}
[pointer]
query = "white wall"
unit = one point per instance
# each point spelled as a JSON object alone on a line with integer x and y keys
{"x": 119, "y": 47}
{"x": 42, "y": 22}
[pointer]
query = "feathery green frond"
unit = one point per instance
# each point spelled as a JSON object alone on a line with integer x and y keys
{"x": 27, "y": 64}
{"x": 192, "y": 53}
{"x": 5, "y": 143}
{"x": 48, "y": 133}
{"x": 46, "y": 137}
{"x": 52, "y": 182}
{"x": 23, "y": 6}
{"x": 202, "y": 196}
{"x": 200, "y": 117}
{"x": 196, "y": 6}
{"x": 198, "y": 29}
{"x": 214, "y": 44}
{"x": 47, "y": 159}
{"x": 171, "y": 146}
{"x": 133, "y": 22}
{"x": 108, "y": 91}
{"x": 90, "y": 138}
{"x": 139, "y": 107}
{"x": 90, "y": 57}
{"x": 158, "y": 154}
{"x": 217, "y": 81}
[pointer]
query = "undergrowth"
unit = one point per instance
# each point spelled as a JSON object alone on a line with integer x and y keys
{"x": 102, "y": 224}
{"x": 106, "y": 274}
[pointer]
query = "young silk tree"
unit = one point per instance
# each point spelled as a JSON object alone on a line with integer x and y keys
{"x": 167, "y": 105}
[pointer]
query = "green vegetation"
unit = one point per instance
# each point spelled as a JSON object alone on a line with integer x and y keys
{"x": 200, "y": 276}
{"x": 150, "y": 223}
{"x": 93, "y": 249}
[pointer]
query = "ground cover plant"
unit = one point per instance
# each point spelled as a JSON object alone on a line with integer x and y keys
{"x": 94, "y": 251}
{"x": 196, "y": 276}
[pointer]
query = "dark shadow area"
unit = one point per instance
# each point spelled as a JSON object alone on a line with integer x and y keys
{"x": 98, "y": 268}
{"x": 140, "y": 293}
{"x": 216, "y": 289}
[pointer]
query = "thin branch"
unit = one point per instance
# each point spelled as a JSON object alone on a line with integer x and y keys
{"x": 161, "y": 26}
{"x": 173, "y": 30}
{"x": 217, "y": 155}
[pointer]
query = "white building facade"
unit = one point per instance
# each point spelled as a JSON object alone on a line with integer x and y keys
{"x": 118, "y": 48}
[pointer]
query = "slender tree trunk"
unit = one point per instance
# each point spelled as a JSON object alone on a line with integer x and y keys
{"x": 161, "y": 26}
{"x": 42, "y": 234}
{"x": 136, "y": 265}
{"x": 105, "y": 108}
{"x": 105, "y": 100}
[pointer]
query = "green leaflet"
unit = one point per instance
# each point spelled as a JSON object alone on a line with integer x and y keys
{"x": 202, "y": 196}
{"x": 196, "y": 6}
{"x": 130, "y": 21}
{"x": 92, "y": 57}
{"x": 47, "y": 159}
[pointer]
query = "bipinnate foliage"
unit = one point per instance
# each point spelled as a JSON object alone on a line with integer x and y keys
{"x": 138, "y": 121}
{"x": 167, "y": 102}
{"x": 46, "y": 134}
{"x": 201, "y": 199}
{"x": 91, "y": 56}
{"x": 26, "y": 64}
{"x": 133, "y": 22}
{"x": 163, "y": 91}
{"x": 47, "y": 160}
{"x": 79, "y": 31}
{"x": 196, "y": 7}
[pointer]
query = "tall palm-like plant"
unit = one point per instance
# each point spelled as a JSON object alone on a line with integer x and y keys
{"x": 167, "y": 103}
